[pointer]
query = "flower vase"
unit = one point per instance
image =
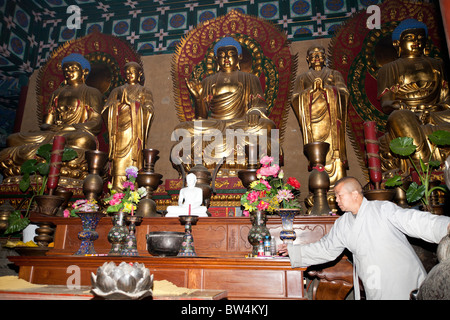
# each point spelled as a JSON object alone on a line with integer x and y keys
{"x": 287, "y": 234}
{"x": 118, "y": 234}
{"x": 258, "y": 230}
{"x": 130, "y": 247}
{"x": 89, "y": 221}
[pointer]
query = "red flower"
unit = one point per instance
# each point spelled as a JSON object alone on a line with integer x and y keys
{"x": 293, "y": 182}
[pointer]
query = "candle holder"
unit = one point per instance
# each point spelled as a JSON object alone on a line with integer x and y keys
{"x": 187, "y": 246}
{"x": 93, "y": 183}
{"x": 150, "y": 180}
{"x": 319, "y": 181}
{"x": 130, "y": 246}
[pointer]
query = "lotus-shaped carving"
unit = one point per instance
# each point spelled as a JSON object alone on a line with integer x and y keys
{"x": 123, "y": 282}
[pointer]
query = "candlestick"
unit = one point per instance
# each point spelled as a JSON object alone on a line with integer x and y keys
{"x": 55, "y": 162}
{"x": 189, "y": 209}
{"x": 372, "y": 149}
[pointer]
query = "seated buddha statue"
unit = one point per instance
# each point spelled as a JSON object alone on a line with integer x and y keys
{"x": 190, "y": 200}
{"x": 229, "y": 101}
{"x": 413, "y": 90}
{"x": 73, "y": 112}
{"x": 319, "y": 102}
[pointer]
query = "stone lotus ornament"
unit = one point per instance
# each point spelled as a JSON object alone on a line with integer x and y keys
{"x": 123, "y": 282}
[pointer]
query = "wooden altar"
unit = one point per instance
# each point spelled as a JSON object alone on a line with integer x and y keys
{"x": 221, "y": 245}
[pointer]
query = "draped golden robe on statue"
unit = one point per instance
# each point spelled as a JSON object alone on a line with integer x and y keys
{"x": 322, "y": 115}
{"x": 229, "y": 98}
{"x": 419, "y": 85}
{"x": 74, "y": 113}
{"x": 130, "y": 113}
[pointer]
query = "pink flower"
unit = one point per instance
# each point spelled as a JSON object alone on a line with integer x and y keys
{"x": 262, "y": 205}
{"x": 118, "y": 196}
{"x": 113, "y": 202}
{"x": 284, "y": 195}
{"x": 266, "y": 160}
{"x": 270, "y": 171}
{"x": 253, "y": 196}
{"x": 66, "y": 213}
{"x": 245, "y": 213}
{"x": 264, "y": 182}
{"x": 128, "y": 184}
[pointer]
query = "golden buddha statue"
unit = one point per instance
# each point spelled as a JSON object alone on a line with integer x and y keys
{"x": 414, "y": 92}
{"x": 130, "y": 113}
{"x": 319, "y": 102}
{"x": 227, "y": 101}
{"x": 73, "y": 112}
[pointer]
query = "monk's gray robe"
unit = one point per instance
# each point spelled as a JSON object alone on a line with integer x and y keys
{"x": 383, "y": 258}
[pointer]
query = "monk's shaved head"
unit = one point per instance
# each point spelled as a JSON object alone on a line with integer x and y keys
{"x": 350, "y": 184}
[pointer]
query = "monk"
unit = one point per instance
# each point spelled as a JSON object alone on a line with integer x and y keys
{"x": 375, "y": 232}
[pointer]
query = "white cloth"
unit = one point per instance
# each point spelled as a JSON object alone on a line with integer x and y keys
{"x": 383, "y": 258}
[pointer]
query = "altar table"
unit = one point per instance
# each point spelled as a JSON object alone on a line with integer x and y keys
{"x": 221, "y": 245}
{"x": 242, "y": 278}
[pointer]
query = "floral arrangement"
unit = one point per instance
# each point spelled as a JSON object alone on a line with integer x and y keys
{"x": 270, "y": 192}
{"x": 81, "y": 206}
{"x": 126, "y": 201}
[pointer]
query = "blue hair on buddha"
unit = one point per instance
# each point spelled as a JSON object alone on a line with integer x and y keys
{"x": 408, "y": 24}
{"x": 76, "y": 57}
{"x": 227, "y": 41}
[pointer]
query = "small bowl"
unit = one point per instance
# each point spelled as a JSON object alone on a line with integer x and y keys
{"x": 164, "y": 243}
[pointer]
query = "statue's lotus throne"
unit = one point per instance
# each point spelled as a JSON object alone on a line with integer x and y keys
{"x": 107, "y": 55}
{"x": 266, "y": 53}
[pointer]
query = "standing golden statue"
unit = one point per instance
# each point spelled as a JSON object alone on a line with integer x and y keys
{"x": 414, "y": 92}
{"x": 319, "y": 102}
{"x": 130, "y": 113}
{"x": 73, "y": 112}
{"x": 227, "y": 100}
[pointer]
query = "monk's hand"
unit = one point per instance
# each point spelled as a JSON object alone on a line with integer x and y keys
{"x": 282, "y": 250}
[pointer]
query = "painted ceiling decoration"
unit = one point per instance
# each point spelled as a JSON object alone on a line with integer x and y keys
{"x": 32, "y": 29}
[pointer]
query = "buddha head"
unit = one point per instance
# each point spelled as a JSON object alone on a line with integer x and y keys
{"x": 410, "y": 37}
{"x": 134, "y": 73}
{"x": 75, "y": 68}
{"x": 315, "y": 56}
{"x": 228, "y": 53}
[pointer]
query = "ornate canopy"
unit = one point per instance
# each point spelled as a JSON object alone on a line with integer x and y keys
{"x": 266, "y": 53}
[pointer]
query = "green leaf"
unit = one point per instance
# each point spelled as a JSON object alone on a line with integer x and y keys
{"x": 415, "y": 192}
{"x": 25, "y": 182}
{"x": 402, "y": 146}
{"x": 395, "y": 181}
{"x": 440, "y": 137}
{"x": 16, "y": 222}
{"x": 435, "y": 164}
{"x": 69, "y": 154}
{"x": 43, "y": 168}
{"x": 423, "y": 166}
{"x": 45, "y": 151}
{"x": 29, "y": 166}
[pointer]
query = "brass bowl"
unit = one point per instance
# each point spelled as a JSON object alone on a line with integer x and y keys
{"x": 164, "y": 243}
